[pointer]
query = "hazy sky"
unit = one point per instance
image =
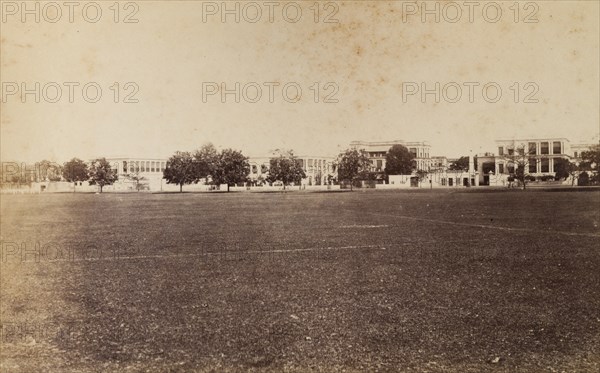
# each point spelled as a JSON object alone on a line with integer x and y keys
{"x": 369, "y": 55}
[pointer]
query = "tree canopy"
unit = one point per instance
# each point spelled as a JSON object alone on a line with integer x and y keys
{"x": 353, "y": 165}
{"x": 590, "y": 159}
{"x": 461, "y": 164}
{"x": 49, "y": 171}
{"x": 590, "y": 162}
{"x": 101, "y": 173}
{"x": 563, "y": 168}
{"x": 231, "y": 167}
{"x": 180, "y": 169}
{"x": 206, "y": 160}
{"x": 286, "y": 168}
{"x": 75, "y": 170}
{"x": 399, "y": 161}
{"x": 520, "y": 158}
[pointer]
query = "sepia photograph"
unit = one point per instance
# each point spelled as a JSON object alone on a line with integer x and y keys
{"x": 299, "y": 186}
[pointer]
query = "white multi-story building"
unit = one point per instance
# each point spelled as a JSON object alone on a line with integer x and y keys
{"x": 147, "y": 171}
{"x": 538, "y": 156}
{"x": 319, "y": 170}
{"x": 377, "y": 151}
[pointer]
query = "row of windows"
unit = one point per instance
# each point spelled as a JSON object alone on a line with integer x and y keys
{"x": 531, "y": 166}
{"x": 532, "y": 148}
{"x": 417, "y": 153}
{"x": 312, "y": 164}
{"x": 451, "y": 181}
{"x": 320, "y": 163}
{"x": 144, "y": 166}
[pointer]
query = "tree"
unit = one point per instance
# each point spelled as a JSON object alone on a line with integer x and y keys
{"x": 231, "y": 168}
{"x": 206, "y": 160}
{"x": 75, "y": 171}
{"x": 520, "y": 157}
{"x": 180, "y": 169}
{"x": 421, "y": 175}
{"x": 137, "y": 178}
{"x": 353, "y": 165}
{"x": 399, "y": 161}
{"x": 591, "y": 158}
{"x": 584, "y": 179}
{"x": 286, "y": 168}
{"x": 101, "y": 173}
{"x": 21, "y": 178}
{"x": 461, "y": 164}
{"x": 563, "y": 168}
{"x": 590, "y": 162}
{"x": 49, "y": 171}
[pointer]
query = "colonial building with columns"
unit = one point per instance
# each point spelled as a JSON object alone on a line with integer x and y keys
{"x": 147, "y": 171}
{"x": 319, "y": 170}
{"x": 538, "y": 156}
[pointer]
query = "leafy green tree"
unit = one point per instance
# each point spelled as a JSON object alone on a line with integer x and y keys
{"x": 75, "y": 171}
{"x": 520, "y": 157}
{"x": 590, "y": 162}
{"x": 206, "y": 159}
{"x": 101, "y": 173}
{"x": 231, "y": 168}
{"x": 421, "y": 175}
{"x": 137, "y": 179}
{"x": 286, "y": 168}
{"x": 180, "y": 169}
{"x": 353, "y": 165}
{"x": 563, "y": 168}
{"x": 19, "y": 177}
{"x": 461, "y": 164}
{"x": 49, "y": 171}
{"x": 591, "y": 158}
{"x": 584, "y": 179}
{"x": 399, "y": 161}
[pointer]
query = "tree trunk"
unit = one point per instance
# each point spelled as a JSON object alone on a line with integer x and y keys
{"x": 227, "y": 187}
{"x": 180, "y": 188}
{"x": 100, "y": 188}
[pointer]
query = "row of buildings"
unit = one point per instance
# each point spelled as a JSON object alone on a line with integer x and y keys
{"x": 491, "y": 169}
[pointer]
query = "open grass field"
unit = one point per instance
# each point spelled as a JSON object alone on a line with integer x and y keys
{"x": 383, "y": 281}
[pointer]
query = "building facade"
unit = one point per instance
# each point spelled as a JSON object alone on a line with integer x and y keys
{"x": 377, "y": 152}
{"x": 319, "y": 170}
{"x": 139, "y": 173}
{"x": 538, "y": 157}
